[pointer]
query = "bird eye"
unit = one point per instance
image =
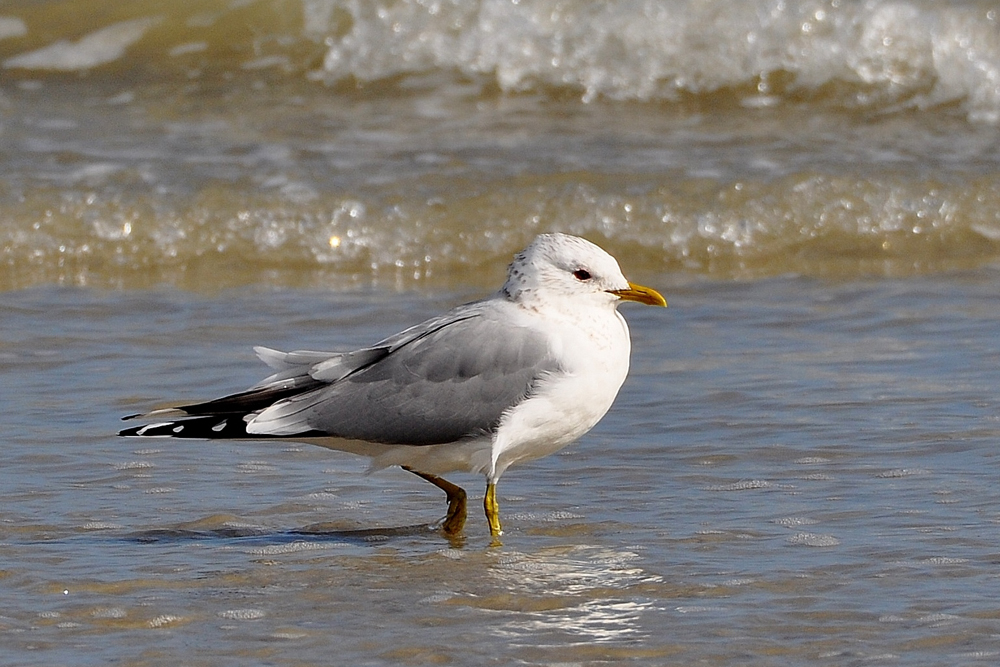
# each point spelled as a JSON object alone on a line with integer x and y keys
{"x": 581, "y": 274}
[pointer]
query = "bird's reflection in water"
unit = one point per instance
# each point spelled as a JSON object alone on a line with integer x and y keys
{"x": 581, "y": 591}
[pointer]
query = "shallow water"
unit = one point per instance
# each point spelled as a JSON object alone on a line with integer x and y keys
{"x": 801, "y": 468}
{"x": 797, "y": 471}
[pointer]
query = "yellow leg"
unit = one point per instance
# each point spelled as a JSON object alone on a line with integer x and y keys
{"x": 454, "y": 520}
{"x": 492, "y": 508}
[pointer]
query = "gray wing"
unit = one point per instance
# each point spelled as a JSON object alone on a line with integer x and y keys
{"x": 446, "y": 379}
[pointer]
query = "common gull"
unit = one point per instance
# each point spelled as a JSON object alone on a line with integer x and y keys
{"x": 509, "y": 378}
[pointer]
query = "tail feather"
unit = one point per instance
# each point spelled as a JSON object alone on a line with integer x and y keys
{"x": 227, "y": 417}
{"x": 234, "y": 405}
{"x": 251, "y": 400}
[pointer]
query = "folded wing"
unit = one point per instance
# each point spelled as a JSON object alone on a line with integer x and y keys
{"x": 446, "y": 379}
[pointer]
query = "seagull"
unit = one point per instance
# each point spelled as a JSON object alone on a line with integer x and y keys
{"x": 512, "y": 377}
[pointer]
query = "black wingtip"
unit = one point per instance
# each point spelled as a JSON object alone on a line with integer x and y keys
{"x": 149, "y": 430}
{"x": 210, "y": 427}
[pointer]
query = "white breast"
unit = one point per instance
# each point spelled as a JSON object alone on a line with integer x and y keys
{"x": 593, "y": 349}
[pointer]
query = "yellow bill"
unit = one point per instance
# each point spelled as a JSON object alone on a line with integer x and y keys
{"x": 646, "y": 295}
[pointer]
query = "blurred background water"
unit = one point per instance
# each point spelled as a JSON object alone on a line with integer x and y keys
{"x": 324, "y": 142}
{"x": 802, "y": 467}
